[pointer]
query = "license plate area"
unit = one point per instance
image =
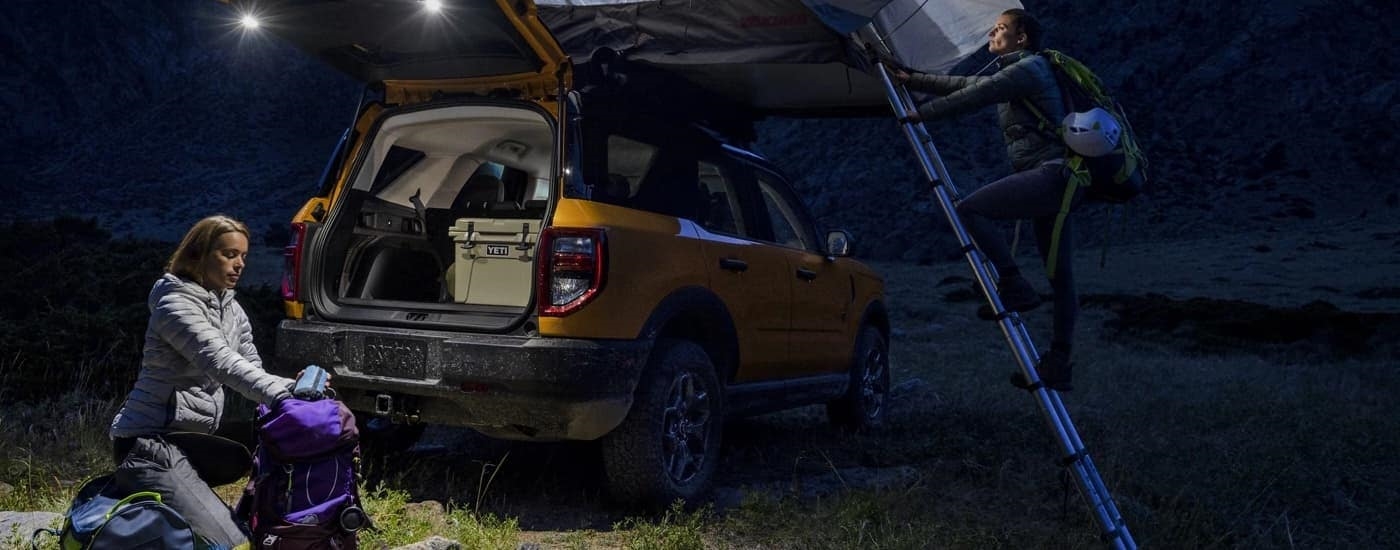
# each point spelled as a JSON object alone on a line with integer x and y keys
{"x": 396, "y": 357}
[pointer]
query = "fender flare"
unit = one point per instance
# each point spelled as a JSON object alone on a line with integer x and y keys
{"x": 697, "y": 314}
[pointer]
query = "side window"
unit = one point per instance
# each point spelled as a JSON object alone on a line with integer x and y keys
{"x": 719, "y": 202}
{"x": 667, "y": 180}
{"x": 788, "y": 228}
{"x": 629, "y": 161}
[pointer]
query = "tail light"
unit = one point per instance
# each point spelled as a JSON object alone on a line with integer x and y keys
{"x": 291, "y": 264}
{"x": 571, "y": 267}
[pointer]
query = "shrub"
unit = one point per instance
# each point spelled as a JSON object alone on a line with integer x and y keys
{"x": 75, "y": 307}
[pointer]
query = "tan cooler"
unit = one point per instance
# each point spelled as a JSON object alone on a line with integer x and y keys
{"x": 493, "y": 261}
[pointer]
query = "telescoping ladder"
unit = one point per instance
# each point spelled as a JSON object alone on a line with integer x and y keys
{"x": 1075, "y": 458}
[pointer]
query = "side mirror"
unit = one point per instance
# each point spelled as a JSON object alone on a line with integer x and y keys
{"x": 838, "y": 244}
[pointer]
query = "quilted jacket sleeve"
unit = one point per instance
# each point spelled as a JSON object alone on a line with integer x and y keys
{"x": 245, "y": 340}
{"x": 1016, "y": 81}
{"x": 181, "y": 320}
{"x": 940, "y": 84}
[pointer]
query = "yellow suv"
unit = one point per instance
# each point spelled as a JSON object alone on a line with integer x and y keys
{"x": 496, "y": 247}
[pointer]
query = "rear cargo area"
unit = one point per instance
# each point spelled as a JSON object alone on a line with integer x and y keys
{"x": 442, "y": 214}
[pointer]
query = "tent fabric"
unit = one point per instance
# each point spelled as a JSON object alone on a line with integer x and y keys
{"x": 934, "y": 36}
{"x": 790, "y": 56}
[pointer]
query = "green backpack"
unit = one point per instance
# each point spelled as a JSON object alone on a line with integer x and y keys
{"x": 98, "y": 520}
{"x": 1113, "y": 178}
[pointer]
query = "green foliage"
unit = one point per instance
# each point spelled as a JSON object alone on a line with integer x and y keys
{"x": 676, "y": 529}
{"x": 907, "y": 518}
{"x": 398, "y": 521}
{"x": 51, "y": 448}
{"x": 75, "y": 308}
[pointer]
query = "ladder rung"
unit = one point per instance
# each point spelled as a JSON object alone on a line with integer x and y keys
{"x": 1071, "y": 459}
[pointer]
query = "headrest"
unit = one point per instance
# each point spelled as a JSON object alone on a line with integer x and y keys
{"x": 482, "y": 187}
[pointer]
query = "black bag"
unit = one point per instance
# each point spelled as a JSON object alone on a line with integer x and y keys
{"x": 101, "y": 517}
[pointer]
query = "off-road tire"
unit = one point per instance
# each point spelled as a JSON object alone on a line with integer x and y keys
{"x": 866, "y": 402}
{"x": 668, "y": 446}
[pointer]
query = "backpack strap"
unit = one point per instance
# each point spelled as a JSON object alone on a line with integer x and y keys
{"x": 1078, "y": 177}
{"x": 1115, "y": 213}
{"x": 1045, "y": 127}
{"x": 34, "y": 537}
{"x": 1132, "y": 154}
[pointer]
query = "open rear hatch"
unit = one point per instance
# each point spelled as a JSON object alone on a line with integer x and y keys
{"x": 436, "y": 223}
{"x": 414, "y": 50}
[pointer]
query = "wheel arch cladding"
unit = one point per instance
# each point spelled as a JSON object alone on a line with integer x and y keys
{"x": 694, "y": 313}
{"x": 876, "y": 316}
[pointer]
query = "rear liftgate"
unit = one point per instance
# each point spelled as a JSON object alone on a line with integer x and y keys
{"x": 1075, "y": 458}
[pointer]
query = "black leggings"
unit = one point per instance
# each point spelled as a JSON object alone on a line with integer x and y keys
{"x": 1036, "y": 194}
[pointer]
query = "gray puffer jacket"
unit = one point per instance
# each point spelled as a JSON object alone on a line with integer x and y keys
{"x": 1023, "y": 74}
{"x": 197, "y": 342}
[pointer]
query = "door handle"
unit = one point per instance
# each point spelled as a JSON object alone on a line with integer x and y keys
{"x": 733, "y": 264}
{"x": 806, "y": 274}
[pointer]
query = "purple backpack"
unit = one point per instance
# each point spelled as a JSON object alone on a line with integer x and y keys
{"x": 303, "y": 493}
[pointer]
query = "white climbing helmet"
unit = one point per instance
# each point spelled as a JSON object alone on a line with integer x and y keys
{"x": 1092, "y": 133}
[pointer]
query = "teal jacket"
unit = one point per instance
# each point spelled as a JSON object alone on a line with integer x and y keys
{"x": 1023, "y": 75}
{"x": 197, "y": 342}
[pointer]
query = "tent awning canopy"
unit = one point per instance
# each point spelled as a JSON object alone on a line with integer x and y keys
{"x": 760, "y": 57}
{"x": 775, "y": 56}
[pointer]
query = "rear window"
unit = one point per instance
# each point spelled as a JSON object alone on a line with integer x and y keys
{"x": 500, "y": 191}
{"x": 397, "y": 161}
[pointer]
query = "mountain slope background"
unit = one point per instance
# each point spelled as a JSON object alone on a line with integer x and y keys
{"x": 149, "y": 114}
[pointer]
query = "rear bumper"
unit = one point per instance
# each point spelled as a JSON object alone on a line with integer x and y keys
{"x": 512, "y": 387}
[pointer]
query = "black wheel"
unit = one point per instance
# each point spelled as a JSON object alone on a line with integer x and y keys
{"x": 867, "y": 399}
{"x": 668, "y": 445}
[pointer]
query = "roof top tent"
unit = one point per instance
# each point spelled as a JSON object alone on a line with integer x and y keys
{"x": 768, "y": 55}
{"x": 763, "y": 54}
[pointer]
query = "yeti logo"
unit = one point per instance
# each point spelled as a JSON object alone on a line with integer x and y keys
{"x": 497, "y": 250}
{"x": 270, "y": 541}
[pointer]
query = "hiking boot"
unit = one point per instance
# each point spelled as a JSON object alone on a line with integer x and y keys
{"x": 1055, "y": 371}
{"x": 1017, "y": 295}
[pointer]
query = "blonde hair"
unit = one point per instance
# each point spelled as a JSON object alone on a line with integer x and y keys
{"x": 199, "y": 243}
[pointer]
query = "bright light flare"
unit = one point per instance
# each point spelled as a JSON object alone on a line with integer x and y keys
{"x": 249, "y": 21}
{"x": 432, "y": 6}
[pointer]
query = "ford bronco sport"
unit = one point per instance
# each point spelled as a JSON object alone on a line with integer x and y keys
{"x": 495, "y": 247}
